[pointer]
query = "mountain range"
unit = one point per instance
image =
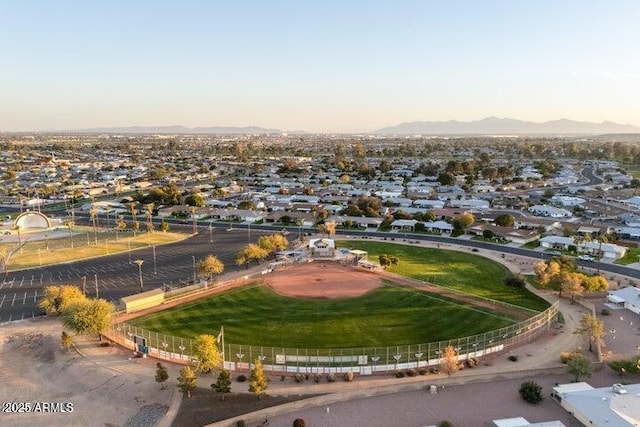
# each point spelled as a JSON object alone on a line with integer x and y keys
{"x": 502, "y": 126}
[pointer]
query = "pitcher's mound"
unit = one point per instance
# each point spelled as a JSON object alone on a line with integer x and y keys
{"x": 323, "y": 280}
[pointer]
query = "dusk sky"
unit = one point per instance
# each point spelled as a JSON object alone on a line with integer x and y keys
{"x": 318, "y": 66}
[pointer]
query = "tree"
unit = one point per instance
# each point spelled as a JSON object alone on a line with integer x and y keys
{"x": 66, "y": 340}
{"x": 446, "y": 178}
{"x": 247, "y": 204}
{"x": 121, "y": 225}
{"x": 258, "y": 380}
{"x": 531, "y": 392}
{"x": 210, "y": 266}
{"x": 206, "y": 355}
{"x": 592, "y": 329}
{"x": 328, "y": 227}
{"x": 571, "y": 284}
{"x": 88, "y": 316}
{"x": 195, "y": 199}
{"x": 164, "y": 226}
{"x": 148, "y": 213}
{"x": 579, "y": 366}
{"x": 57, "y": 298}
{"x": 93, "y": 213}
{"x": 387, "y": 260}
{"x": 187, "y": 381}
{"x": 505, "y": 220}
{"x": 273, "y": 242}
{"x": 70, "y": 224}
{"x": 449, "y": 362}
{"x": 134, "y": 212}
{"x": 251, "y": 252}
{"x": 162, "y": 375}
{"x": 223, "y": 383}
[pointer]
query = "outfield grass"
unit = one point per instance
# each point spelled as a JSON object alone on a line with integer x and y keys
{"x": 390, "y": 315}
{"x": 460, "y": 271}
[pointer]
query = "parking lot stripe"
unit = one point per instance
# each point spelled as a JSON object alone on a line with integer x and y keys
{"x": 2, "y": 302}
{"x": 14, "y": 300}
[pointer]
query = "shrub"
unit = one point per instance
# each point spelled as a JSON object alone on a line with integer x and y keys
{"x": 513, "y": 357}
{"x": 411, "y": 372}
{"x": 565, "y": 356}
{"x": 317, "y": 378}
{"x": 445, "y": 423}
{"x": 348, "y": 376}
{"x": 434, "y": 370}
{"x": 331, "y": 378}
{"x": 299, "y": 422}
{"x": 298, "y": 377}
{"x": 626, "y": 365}
{"x": 531, "y": 392}
{"x": 241, "y": 378}
{"x": 515, "y": 281}
{"x": 605, "y": 312}
{"x": 399, "y": 374}
{"x": 105, "y": 344}
{"x": 470, "y": 363}
{"x": 423, "y": 371}
{"x": 241, "y": 423}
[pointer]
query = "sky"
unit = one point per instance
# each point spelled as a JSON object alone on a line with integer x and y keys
{"x": 317, "y": 66}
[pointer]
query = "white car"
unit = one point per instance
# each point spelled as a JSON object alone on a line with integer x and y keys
{"x": 586, "y": 258}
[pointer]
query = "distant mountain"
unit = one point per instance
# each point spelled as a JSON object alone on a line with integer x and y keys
{"x": 178, "y": 130}
{"x": 502, "y": 126}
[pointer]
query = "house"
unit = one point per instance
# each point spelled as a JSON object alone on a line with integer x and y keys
{"x": 438, "y": 226}
{"x": 475, "y": 204}
{"x": 359, "y": 221}
{"x": 557, "y": 242}
{"x": 628, "y": 298}
{"x": 549, "y": 211}
{"x": 322, "y": 247}
{"x": 616, "y": 406}
{"x": 523, "y": 422}
{"x": 404, "y": 224}
{"x": 518, "y": 236}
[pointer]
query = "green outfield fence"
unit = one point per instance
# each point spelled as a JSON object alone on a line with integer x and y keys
{"x": 363, "y": 360}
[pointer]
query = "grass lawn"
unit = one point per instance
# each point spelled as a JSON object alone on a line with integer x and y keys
{"x": 56, "y": 250}
{"x": 460, "y": 271}
{"x": 630, "y": 257}
{"x": 390, "y": 315}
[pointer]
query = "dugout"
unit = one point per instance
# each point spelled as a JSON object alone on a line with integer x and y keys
{"x": 143, "y": 300}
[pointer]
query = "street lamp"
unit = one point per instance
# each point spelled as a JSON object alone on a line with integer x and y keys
{"x": 210, "y": 231}
{"x": 181, "y": 351}
{"x": 165, "y": 345}
{"x": 194, "y": 268}
{"x": 140, "y": 262}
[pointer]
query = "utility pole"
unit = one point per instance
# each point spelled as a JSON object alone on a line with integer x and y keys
{"x": 95, "y": 277}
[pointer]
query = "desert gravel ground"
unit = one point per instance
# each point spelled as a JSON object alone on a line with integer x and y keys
{"x": 35, "y": 369}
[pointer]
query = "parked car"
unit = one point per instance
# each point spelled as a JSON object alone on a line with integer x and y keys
{"x": 586, "y": 258}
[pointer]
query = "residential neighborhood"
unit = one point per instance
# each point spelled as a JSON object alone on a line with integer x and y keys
{"x": 550, "y": 198}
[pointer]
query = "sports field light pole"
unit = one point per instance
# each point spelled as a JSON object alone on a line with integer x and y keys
{"x": 155, "y": 269}
{"x": 95, "y": 278}
{"x": 140, "y": 262}
{"x": 194, "y": 268}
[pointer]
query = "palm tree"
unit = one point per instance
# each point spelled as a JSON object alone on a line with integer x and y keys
{"x": 601, "y": 239}
{"x": 70, "y": 224}
{"x": 148, "y": 210}
{"x": 93, "y": 213}
{"x": 134, "y": 212}
{"x": 193, "y": 211}
{"x": 107, "y": 209}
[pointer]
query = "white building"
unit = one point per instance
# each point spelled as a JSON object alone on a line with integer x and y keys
{"x": 549, "y": 211}
{"x": 616, "y": 406}
{"x": 628, "y": 298}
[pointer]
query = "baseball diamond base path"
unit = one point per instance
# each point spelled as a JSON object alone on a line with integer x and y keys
{"x": 323, "y": 279}
{"x": 331, "y": 279}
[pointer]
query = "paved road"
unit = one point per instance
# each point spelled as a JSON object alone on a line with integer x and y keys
{"x": 116, "y": 276}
